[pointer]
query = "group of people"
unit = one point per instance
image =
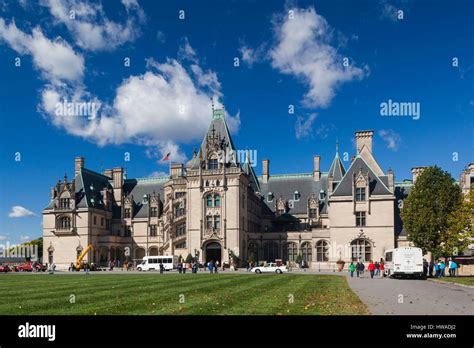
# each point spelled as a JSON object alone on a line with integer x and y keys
{"x": 439, "y": 268}
{"x": 375, "y": 269}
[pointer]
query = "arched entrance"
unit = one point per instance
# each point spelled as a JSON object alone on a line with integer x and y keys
{"x": 213, "y": 252}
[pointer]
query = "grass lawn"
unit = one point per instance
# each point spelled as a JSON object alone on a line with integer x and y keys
{"x": 459, "y": 280}
{"x": 205, "y": 294}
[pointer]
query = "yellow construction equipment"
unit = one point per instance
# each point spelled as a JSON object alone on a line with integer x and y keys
{"x": 81, "y": 256}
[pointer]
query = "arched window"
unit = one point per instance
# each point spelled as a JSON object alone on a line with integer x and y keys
{"x": 361, "y": 250}
{"x": 306, "y": 251}
{"x": 322, "y": 251}
{"x": 209, "y": 200}
{"x": 271, "y": 251}
{"x": 217, "y": 200}
{"x": 290, "y": 252}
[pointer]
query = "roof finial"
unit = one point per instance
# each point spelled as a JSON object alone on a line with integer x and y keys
{"x": 337, "y": 145}
{"x": 212, "y": 103}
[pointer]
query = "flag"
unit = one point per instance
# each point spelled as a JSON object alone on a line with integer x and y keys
{"x": 166, "y": 157}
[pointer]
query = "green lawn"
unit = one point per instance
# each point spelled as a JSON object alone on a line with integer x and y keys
{"x": 206, "y": 294}
{"x": 459, "y": 280}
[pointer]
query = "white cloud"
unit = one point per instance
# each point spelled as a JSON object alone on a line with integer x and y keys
{"x": 391, "y": 138}
{"x": 388, "y": 11}
{"x": 304, "y": 126}
{"x": 303, "y": 50}
{"x": 19, "y": 211}
{"x": 3, "y": 237}
{"x": 91, "y": 28}
{"x": 167, "y": 105}
{"x": 251, "y": 56}
{"x": 56, "y": 60}
{"x": 25, "y": 238}
{"x": 158, "y": 173}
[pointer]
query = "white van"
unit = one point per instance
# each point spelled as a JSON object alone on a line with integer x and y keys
{"x": 151, "y": 263}
{"x": 406, "y": 261}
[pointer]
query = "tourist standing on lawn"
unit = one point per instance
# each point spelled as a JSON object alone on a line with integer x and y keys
{"x": 352, "y": 269}
{"x": 210, "y": 266}
{"x": 371, "y": 269}
{"x": 442, "y": 267}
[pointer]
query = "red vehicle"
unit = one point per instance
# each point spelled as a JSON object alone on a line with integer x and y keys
{"x": 4, "y": 268}
{"x": 25, "y": 267}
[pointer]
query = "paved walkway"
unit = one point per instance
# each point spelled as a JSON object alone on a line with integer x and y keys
{"x": 411, "y": 296}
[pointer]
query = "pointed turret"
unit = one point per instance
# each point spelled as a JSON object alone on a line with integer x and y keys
{"x": 337, "y": 170}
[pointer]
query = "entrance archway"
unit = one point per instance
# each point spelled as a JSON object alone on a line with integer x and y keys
{"x": 213, "y": 252}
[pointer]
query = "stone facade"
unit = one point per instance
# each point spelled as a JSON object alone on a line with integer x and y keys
{"x": 213, "y": 208}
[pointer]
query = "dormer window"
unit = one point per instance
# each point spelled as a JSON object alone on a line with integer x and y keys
{"x": 212, "y": 164}
{"x": 270, "y": 196}
{"x": 64, "y": 203}
{"x": 145, "y": 199}
{"x": 322, "y": 195}
{"x": 154, "y": 212}
{"x": 360, "y": 194}
{"x": 127, "y": 213}
{"x": 296, "y": 196}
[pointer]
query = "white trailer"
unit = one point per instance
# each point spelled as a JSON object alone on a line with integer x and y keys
{"x": 407, "y": 261}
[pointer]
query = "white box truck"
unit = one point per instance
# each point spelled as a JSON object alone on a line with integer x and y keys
{"x": 404, "y": 262}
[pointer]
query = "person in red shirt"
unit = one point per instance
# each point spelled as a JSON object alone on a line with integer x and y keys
{"x": 371, "y": 269}
{"x": 382, "y": 268}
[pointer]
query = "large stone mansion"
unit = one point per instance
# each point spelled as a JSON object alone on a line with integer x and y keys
{"x": 216, "y": 210}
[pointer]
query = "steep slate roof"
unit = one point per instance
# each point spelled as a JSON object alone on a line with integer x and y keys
{"x": 140, "y": 187}
{"x": 337, "y": 169}
{"x": 252, "y": 177}
{"x": 285, "y": 186}
{"x": 376, "y": 185}
{"x": 88, "y": 186}
{"x": 219, "y": 128}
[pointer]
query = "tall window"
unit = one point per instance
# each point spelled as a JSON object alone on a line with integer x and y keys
{"x": 209, "y": 222}
{"x": 180, "y": 209}
{"x": 209, "y": 200}
{"x": 180, "y": 230}
{"x": 153, "y": 231}
{"x": 361, "y": 250}
{"x": 306, "y": 252}
{"x": 213, "y": 164}
{"x": 290, "y": 252}
{"x": 217, "y": 200}
{"x": 312, "y": 213}
{"x": 127, "y": 213}
{"x": 322, "y": 251}
{"x": 360, "y": 194}
{"x": 271, "y": 251}
{"x": 64, "y": 203}
{"x": 65, "y": 223}
{"x": 154, "y": 212}
{"x": 217, "y": 222}
{"x": 360, "y": 218}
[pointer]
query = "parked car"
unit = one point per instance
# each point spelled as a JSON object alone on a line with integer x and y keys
{"x": 25, "y": 267}
{"x": 4, "y": 269}
{"x": 269, "y": 268}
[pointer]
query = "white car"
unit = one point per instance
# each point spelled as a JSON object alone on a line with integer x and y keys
{"x": 269, "y": 268}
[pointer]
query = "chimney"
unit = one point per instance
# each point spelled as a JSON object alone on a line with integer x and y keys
{"x": 78, "y": 164}
{"x": 415, "y": 171}
{"x": 265, "y": 170}
{"x": 117, "y": 176}
{"x": 108, "y": 172}
{"x": 364, "y": 138}
{"x": 176, "y": 170}
{"x": 391, "y": 180}
{"x": 316, "y": 170}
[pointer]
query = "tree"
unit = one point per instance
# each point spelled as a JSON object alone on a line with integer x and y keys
{"x": 460, "y": 231}
{"x": 189, "y": 258}
{"x": 427, "y": 210}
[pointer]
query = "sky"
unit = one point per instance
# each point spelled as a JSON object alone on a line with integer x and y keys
{"x": 295, "y": 78}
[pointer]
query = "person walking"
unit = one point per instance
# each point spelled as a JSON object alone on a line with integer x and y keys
{"x": 180, "y": 267}
{"x": 371, "y": 269}
{"x": 425, "y": 268}
{"x": 382, "y": 268}
{"x": 377, "y": 268}
{"x": 455, "y": 267}
{"x": 86, "y": 268}
{"x": 431, "y": 268}
{"x": 184, "y": 267}
{"x": 362, "y": 269}
{"x": 357, "y": 267}
{"x": 351, "y": 269}
{"x": 442, "y": 267}
{"x": 436, "y": 267}
{"x": 216, "y": 267}
{"x": 210, "y": 266}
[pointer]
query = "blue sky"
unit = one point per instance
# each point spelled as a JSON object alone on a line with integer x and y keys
{"x": 161, "y": 102}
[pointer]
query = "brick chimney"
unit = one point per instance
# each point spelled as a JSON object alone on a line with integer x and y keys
{"x": 265, "y": 170}
{"x": 117, "y": 176}
{"x": 78, "y": 164}
{"x": 176, "y": 170}
{"x": 391, "y": 180}
{"x": 364, "y": 138}
{"x": 316, "y": 168}
{"x": 108, "y": 172}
